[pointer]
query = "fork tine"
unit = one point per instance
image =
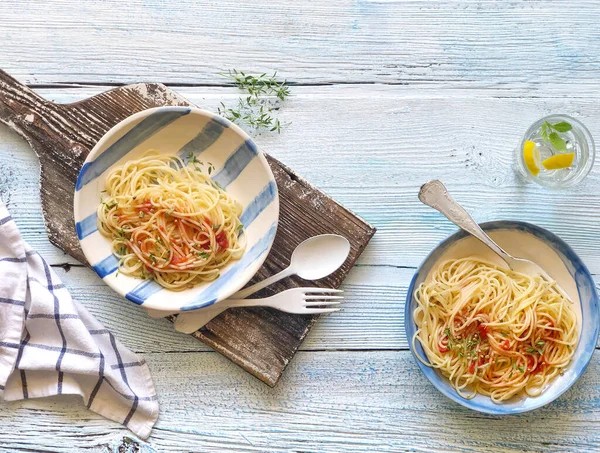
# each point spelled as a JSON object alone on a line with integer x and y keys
{"x": 318, "y": 311}
{"x": 321, "y": 304}
{"x": 321, "y": 290}
{"x": 307, "y": 298}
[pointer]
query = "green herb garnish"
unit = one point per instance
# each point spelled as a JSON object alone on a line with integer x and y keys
{"x": 203, "y": 255}
{"x": 563, "y": 126}
{"x": 109, "y": 206}
{"x": 259, "y": 85}
{"x": 557, "y": 142}
{"x": 192, "y": 158}
{"x": 549, "y": 133}
{"x": 256, "y": 110}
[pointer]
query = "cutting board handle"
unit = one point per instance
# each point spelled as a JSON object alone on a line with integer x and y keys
{"x": 17, "y": 103}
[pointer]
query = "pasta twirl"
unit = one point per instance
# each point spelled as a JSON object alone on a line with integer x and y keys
{"x": 492, "y": 331}
{"x": 170, "y": 221}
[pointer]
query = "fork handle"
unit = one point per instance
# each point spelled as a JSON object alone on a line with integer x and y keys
{"x": 190, "y": 322}
{"x": 194, "y": 320}
{"x": 435, "y": 194}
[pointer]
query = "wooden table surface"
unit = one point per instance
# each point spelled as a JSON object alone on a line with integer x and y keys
{"x": 386, "y": 95}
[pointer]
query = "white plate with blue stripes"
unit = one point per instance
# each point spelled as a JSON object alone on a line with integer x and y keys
{"x": 240, "y": 168}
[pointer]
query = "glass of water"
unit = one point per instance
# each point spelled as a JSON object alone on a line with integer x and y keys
{"x": 557, "y": 151}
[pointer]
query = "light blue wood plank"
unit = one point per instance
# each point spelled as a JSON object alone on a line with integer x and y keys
{"x": 371, "y": 147}
{"x": 372, "y": 317}
{"x": 460, "y": 43}
{"x": 334, "y": 402}
{"x": 476, "y": 78}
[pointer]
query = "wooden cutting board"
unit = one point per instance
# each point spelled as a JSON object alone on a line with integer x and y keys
{"x": 260, "y": 340}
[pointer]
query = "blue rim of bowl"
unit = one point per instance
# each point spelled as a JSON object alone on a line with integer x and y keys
{"x": 558, "y": 245}
{"x": 261, "y": 156}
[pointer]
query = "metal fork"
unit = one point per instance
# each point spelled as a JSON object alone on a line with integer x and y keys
{"x": 301, "y": 301}
{"x": 435, "y": 194}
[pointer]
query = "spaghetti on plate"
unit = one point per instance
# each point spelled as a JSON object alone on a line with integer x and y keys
{"x": 169, "y": 221}
{"x": 493, "y": 331}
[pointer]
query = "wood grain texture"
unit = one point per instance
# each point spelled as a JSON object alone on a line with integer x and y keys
{"x": 260, "y": 340}
{"x": 458, "y": 43}
{"x": 443, "y": 82}
{"x": 62, "y": 137}
{"x": 340, "y": 402}
{"x": 263, "y": 340}
{"x": 371, "y": 147}
{"x": 372, "y": 317}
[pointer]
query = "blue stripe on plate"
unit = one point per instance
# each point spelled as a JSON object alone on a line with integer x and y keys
{"x": 205, "y": 138}
{"x": 87, "y": 226}
{"x": 236, "y": 163}
{"x": 222, "y": 121}
{"x": 258, "y": 205}
{"x": 139, "y": 133}
{"x": 107, "y": 266}
{"x": 143, "y": 291}
{"x": 210, "y": 294}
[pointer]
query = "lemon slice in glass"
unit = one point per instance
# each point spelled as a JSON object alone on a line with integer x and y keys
{"x": 559, "y": 161}
{"x": 532, "y": 158}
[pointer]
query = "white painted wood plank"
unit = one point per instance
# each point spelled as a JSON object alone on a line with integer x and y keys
{"x": 368, "y": 146}
{"x": 371, "y": 147}
{"x": 327, "y": 402}
{"x": 472, "y": 43}
{"x": 372, "y": 317}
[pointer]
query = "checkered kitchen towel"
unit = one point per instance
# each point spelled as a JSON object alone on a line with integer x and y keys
{"x": 51, "y": 345}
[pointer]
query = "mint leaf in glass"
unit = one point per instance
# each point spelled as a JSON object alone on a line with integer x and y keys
{"x": 557, "y": 142}
{"x": 563, "y": 126}
{"x": 545, "y": 131}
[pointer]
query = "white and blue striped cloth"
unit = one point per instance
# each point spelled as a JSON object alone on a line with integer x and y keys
{"x": 51, "y": 345}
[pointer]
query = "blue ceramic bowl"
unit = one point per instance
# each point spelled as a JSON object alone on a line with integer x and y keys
{"x": 240, "y": 168}
{"x": 560, "y": 261}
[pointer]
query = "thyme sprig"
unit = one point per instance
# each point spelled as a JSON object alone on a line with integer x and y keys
{"x": 258, "y": 108}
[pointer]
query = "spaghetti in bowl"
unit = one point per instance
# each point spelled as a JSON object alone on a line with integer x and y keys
{"x": 176, "y": 209}
{"x": 496, "y": 341}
